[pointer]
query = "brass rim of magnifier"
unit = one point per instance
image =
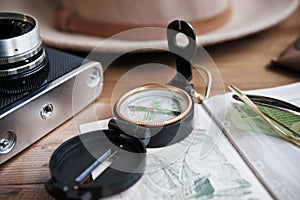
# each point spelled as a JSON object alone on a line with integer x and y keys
{"x": 147, "y": 87}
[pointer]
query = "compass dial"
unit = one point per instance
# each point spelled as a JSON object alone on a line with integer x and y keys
{"x": 154, "y": 105}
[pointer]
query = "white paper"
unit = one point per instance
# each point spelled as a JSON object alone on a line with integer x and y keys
{"x": 202, "y": 166}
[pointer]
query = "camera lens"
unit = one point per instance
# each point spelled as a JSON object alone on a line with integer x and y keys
{"x": 23, "y": 61}
{"x": 12, "y": 28}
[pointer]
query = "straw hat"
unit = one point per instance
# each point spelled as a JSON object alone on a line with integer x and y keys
{"x": 81, "y": 25}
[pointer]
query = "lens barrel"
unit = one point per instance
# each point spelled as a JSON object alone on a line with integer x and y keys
{"x": 23, "y": 60}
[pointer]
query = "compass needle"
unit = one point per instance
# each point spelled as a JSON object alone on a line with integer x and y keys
{"x": 161, "y": 111}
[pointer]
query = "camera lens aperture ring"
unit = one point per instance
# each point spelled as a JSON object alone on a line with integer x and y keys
{"x": 23, "y": 60}
{"x": 24, "y": 65}
{"x": 22, "y": 57}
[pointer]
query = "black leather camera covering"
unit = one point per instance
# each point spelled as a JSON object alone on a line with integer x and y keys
{"x": 60, "y": 63}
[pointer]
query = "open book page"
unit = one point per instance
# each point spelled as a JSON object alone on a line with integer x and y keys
{"x": 275, "y": 161}
{"x": 202, "y": 166}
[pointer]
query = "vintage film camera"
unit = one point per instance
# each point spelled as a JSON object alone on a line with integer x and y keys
{"x": 37, "y": 91}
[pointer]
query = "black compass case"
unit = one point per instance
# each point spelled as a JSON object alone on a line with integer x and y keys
{"x": 80, "y": 152}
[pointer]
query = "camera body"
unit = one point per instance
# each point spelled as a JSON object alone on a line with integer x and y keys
{"x": 71, "y": 85}
{"x": 40, "y": 88}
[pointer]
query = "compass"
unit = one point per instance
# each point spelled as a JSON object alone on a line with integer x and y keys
{"x": 159, "y": 114}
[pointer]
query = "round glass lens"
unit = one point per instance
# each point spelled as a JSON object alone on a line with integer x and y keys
{"x": 11, "y": 28}
{"x": 155, "y": 105}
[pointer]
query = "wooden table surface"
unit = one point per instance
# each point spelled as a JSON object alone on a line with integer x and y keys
{"x": 243, "y": 62}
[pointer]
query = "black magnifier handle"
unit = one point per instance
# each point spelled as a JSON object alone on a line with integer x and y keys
{"x": 184, "y": 53}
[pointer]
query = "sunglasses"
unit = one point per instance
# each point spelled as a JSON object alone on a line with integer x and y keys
{"x": 276, "y": 113}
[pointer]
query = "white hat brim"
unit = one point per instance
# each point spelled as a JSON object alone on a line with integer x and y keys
{"x": 248, "y": 17}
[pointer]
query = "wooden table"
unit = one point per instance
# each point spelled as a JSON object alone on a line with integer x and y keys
{"x": 244, "y": 62}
